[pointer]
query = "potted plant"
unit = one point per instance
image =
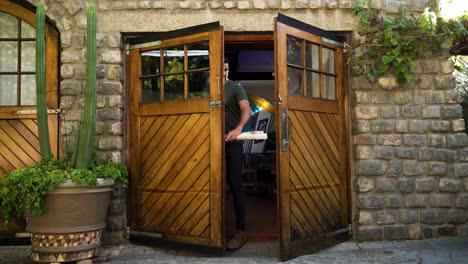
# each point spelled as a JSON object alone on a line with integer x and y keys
{"x": 64, "y": 201}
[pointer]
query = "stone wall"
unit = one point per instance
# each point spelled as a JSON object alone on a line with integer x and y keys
{"x": 410, "y": 151}
{"x": 408, "y": 174}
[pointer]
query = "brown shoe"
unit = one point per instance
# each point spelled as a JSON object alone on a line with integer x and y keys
{"x": 237, "y": 241}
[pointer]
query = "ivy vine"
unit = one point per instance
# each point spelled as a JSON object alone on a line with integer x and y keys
{"x": 392, "y": 43}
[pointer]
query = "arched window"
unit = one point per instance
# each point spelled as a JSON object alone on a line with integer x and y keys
{"x": 17, "y": 57}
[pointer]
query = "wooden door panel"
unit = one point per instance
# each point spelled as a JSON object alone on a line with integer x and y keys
{"x": 176, "y": 156}
{"x": 311, "y": 141}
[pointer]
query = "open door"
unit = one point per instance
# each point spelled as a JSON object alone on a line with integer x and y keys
{"x": 176, "y": 140}
{"x": 311, "y": 138}
{"x": 19, "y": 137}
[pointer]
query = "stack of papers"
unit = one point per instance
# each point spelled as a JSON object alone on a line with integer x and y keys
{"x": 252, "y": 135}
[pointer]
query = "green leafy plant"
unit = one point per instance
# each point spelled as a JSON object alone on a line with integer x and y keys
{"x": 393, "y": 43}
{"x": 22, "y": 190}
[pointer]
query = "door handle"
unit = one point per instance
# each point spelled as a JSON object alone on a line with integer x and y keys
{"x": 286, "y": 129}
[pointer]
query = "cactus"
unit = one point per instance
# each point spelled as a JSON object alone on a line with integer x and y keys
{"x": 87, "y": 130}
{"x": 42, "y": 119}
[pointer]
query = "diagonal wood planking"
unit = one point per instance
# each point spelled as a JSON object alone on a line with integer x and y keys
{"x": 314, "y": 173}
{"x": 19, "y": 144}
{"x": 175, "y": 174}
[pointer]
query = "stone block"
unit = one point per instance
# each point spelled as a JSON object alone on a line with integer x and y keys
{"x": 414, "y": 231}
{"x": 457, "y": 140}
{"x": 109, "y": 88}
{"x": 440, "y": 126}
{"x": 402, "y": 98}
{"x": 458, "y": 125}
{"x": 432, "y": 111}
{"x": 389, "y": 140}
{"x": 110, "y": 143}
{"x": 415, "y": 201}
{"x": 114, "y": 101}
{"x": 452, "y": 97}
{"x": 315, "y": 4}
{"x": 408, "y": 216}
{"x": 446, "y": 230}
{"x": 366, "y": 112}
{"x": 383, "y": 152}
{"x": 430, "y": 66}
{"x": 395, "y": 168}
{"x": 449, "y": 185}
{"x": 440, "y": 200}
{"x": 444, "y": 82}
{"x": 70, "y": 56}
{"x": 445, "y": 155}
{"x": 407, "y": 185}
{"x": 109, "y": 114}
{"x": 435, "y": 97}
{"x": 370, "y": 202}
{"x": 451, "y": 111}
{"x": 385, "y": 185}
{"x": 446, "y": 67}
{"x": 411, "y": 168}
{"x": 370, "y": 233}
{"x": 415, "y": 140}
{"x": 301, "y": 4}
{"x": 411, "y": 111}
{"x": 393, "y": 232}
{"x": 113, "y": 72}
{"x": 383, "y": 126}
{"x": 419, "y": 126}
{"x": 385, "y": 217}
{"x": 433, "y": 216}
{"x": 389, "y": 111}
{"x": 66, "y": 71}
{"x": 425, "y": 184}
{"x": 462, "y": 201}
{"x": 113, "y": 128}
{"x": 406, "y": 152}
{"x": 462, "y": 230}
{"x": 69, "y": 87}
{"x": 456, "y": 216}
{"x": 366, "y": 139}
{"x": 111, "y": 57}
{"x": 388, "y": 83}
{"x": 371, "y": 167}
{"x": 437, "y": 168}
{"x": 419, "y": 97}
{"x": 425, "y": 81}
{"x": 401, "y": 126}
{"x": 461, "y": 170}
{"x": 436, "y": 140}
{"x": 393, "y": 201}
{"x": 365, "y": 184}
{"x": 426, "y": 154}
{"x": 363, "y": 152}
{"x": 365, "y": 217}
{"x": 360, "y": 126}
{"x": 427, "y": 231}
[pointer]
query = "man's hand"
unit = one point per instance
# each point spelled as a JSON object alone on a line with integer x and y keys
{"x": 233, "y": 134}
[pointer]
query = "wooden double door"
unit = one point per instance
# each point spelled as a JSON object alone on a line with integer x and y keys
{"x": 177, "y": 148}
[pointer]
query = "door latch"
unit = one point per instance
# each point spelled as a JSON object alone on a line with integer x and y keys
{"x": 213, "y": 104}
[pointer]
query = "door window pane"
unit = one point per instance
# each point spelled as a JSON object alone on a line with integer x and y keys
{"x": 150, "y": 62}
{"x": 28, "y": 89}
{"x": 294, "y": 49}
{"x": 313, "y": 85}
{"x": 174, "y": 87}
{"x": 312, "y": 56}
{"x": 150, "y": 90}
{"x": 9, "y": 56}
{"x": 174, "y": 60}
{"x": 199, "y": 85}
{"x": 198, "y": 56}
{"x": 294, "y": 81}
{"x": 8, "y": 91}
{"x": 330, "y": 90}
{"x": 8, "y": 26}
{"x": 28, "y": 56}
{"x": 27, "y": 31}
{"x": 328, "y": 58}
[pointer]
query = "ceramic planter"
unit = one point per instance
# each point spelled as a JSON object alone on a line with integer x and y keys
{"x": 70, "y": 228}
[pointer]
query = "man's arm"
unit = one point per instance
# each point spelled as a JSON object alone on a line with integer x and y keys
{"x": 246, "y": 114}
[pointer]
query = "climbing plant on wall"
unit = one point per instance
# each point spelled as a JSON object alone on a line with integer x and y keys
{"x": 393, "y": 42}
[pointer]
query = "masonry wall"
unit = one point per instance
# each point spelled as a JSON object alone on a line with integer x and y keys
{"x": 409, "y": 176}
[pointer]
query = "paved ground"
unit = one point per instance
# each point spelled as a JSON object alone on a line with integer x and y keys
{"x": 440, "y": 250}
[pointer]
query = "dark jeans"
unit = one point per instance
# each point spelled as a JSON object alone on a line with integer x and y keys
{"x": 234, "y": 164}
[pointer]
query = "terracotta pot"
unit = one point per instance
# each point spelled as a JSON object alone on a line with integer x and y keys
{"x": 71, "y": 226}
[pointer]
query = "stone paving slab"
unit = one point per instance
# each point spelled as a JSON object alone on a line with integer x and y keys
{"x": 453, "y": 250}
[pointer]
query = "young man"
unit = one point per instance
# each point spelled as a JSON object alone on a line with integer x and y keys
{"x": 237, "y": 114}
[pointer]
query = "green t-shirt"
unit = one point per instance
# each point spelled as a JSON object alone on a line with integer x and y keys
{"x": 233, "y": 94}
